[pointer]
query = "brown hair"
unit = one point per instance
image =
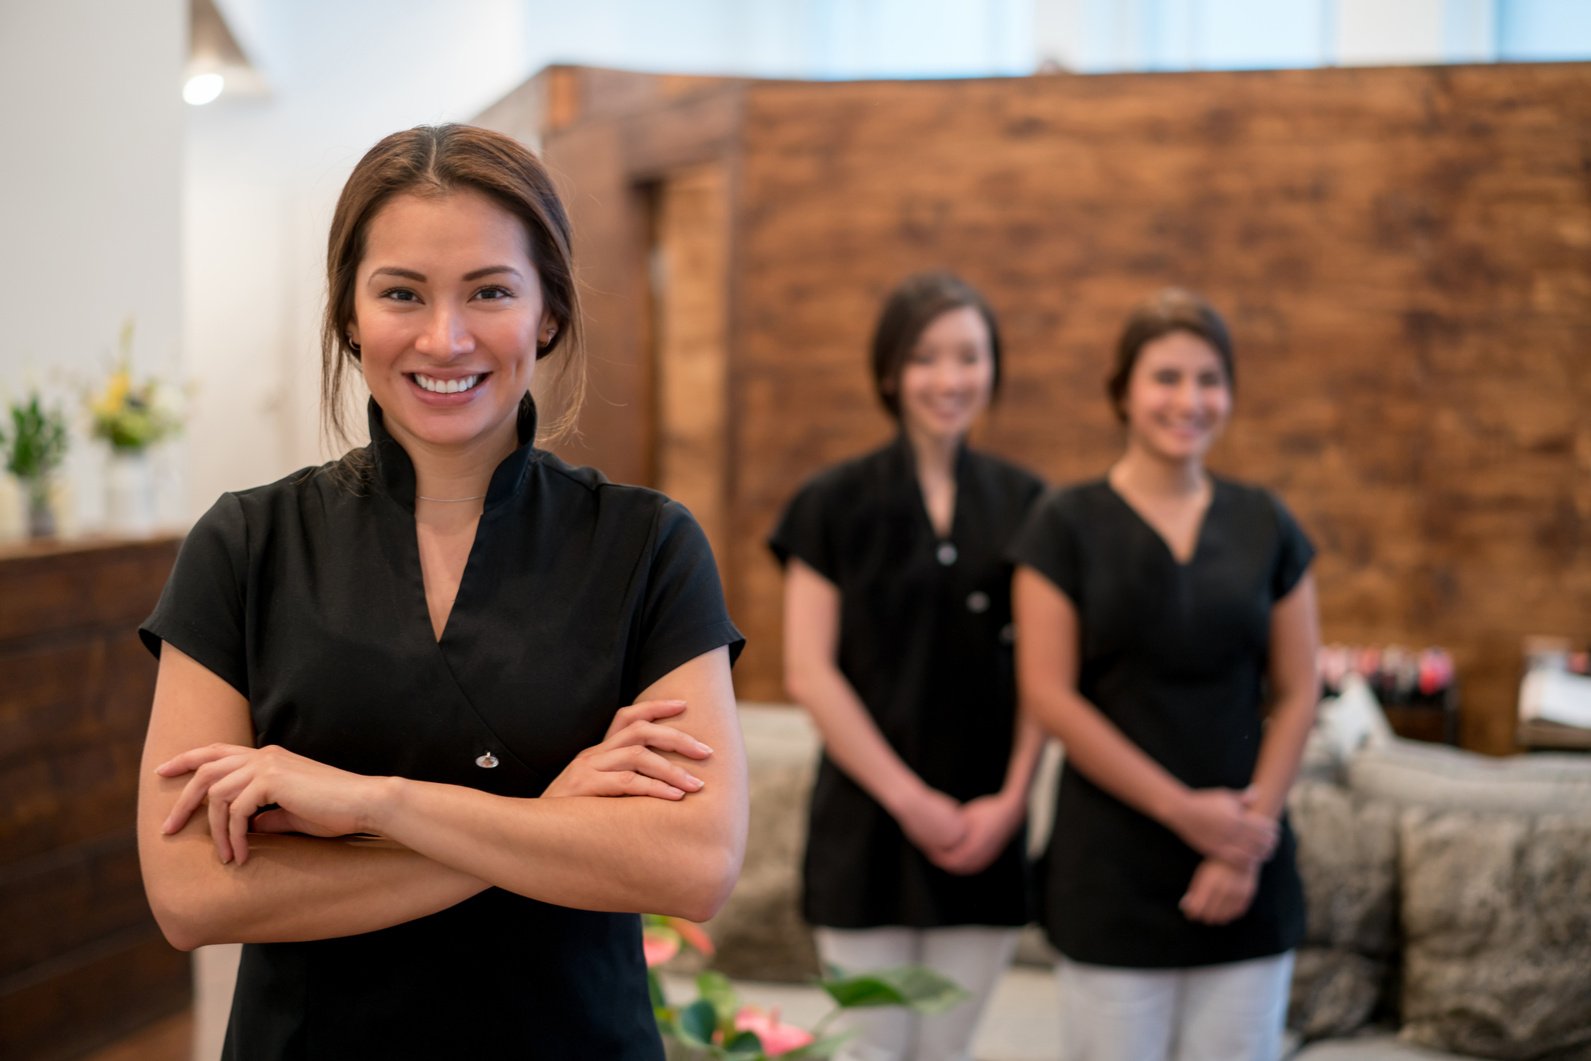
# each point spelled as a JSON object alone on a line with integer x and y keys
{"x": 435, "y": 161}
{"x": 1169, "y": 310}
{"x": 908, "y": 311}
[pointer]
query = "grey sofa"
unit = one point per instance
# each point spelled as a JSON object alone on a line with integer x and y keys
{"x": 1450, "y": 893}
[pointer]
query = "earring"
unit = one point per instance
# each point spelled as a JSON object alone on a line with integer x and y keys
{"x": 353, "y": 346}
{"x": 546, "y": 340}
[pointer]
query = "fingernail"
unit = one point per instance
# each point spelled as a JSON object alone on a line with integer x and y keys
{"x": 694, "y": 782}
{"x": 704, "y": 748}
{"x": 675, "y": 793}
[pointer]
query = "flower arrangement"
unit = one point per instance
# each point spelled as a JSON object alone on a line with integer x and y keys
{"x": 716, "y": 1025}
{"x": 133, "y": 415}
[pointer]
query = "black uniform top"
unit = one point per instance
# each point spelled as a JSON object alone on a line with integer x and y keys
{"x": 925, "y": 640}
{"x": 306, "y": 596}
{"x": 1174, "y": 655}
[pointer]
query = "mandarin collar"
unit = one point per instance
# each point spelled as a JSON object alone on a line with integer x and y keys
{"x": 394, "y": 471}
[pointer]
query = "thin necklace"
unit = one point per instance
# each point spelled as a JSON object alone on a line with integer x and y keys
{"x": 449, "y": 500}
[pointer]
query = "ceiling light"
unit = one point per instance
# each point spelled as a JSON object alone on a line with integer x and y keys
{"x": 202, "y": 88}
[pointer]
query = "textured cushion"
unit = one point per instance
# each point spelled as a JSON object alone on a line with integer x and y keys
{"x": 1347, "y": 857}
{"x": 1496, "y": 913}
{"x": 1433, "y": 775}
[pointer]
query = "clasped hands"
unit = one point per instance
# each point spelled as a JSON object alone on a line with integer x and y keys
{"x": 959, "y": 838}
{"x": 1235, "y": 840}
{"x": 233, "y": 782}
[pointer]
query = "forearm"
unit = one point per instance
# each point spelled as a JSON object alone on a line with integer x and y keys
{"x": 851, "y": 739}
{"x": 291, "y": 888}
{"x": 1103, "y": 754}
{"x": 1281, "y": 751}
{"x": 589, "y": 853}
{"x": 1026, "y": 748}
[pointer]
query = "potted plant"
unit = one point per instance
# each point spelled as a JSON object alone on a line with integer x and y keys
{"x": 35, "y": 441}
{"x": 717, "y": 1026}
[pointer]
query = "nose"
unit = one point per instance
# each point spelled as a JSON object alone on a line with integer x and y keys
{"x": 446, "y": 334}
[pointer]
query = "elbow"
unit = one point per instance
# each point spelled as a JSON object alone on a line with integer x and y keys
{"x": 182, "y": 930}
{"x": 701, "y": 893}
{"x": 184, "y": 918}
{"x": 796, "y": 685}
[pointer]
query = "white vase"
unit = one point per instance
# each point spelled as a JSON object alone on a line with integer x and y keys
{"x": 129, "y": 494}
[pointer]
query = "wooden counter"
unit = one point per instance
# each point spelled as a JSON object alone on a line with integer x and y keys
{"x": 81, "y": 960}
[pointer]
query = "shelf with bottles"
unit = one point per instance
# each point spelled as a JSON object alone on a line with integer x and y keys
{"x": 1417, "y": 688}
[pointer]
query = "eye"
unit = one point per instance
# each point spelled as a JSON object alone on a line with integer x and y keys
{"x": 494, "y": 293}
{"x": 399, "y": 294}
{"x": 1166, "y": 376}
{"x": 1212, "y": 379}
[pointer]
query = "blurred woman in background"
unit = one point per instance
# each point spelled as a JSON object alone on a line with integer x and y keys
{"x": 1169, "y": 639}
{"x": 898, "y": 640}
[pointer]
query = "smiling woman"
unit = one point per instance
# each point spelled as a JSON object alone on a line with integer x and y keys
{"x": 389, "y": 749}
{"x": 1165, "y": 613}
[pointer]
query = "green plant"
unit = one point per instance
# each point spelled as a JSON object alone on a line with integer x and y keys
{"x": 36, "y": 440}
{"x": 716, "y": 1025}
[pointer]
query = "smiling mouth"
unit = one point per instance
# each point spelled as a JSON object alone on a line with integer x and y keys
{"x": 448, "y": 386}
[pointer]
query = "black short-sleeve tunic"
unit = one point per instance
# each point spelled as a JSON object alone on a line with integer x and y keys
{"x": 925, "y": 640}
{"x": 1175, "y": 656}
{"x": 306, "y": 596}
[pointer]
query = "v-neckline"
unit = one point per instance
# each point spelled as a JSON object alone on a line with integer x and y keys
{"x": 921, "y": 498}
{"x": 1198, "y": 535}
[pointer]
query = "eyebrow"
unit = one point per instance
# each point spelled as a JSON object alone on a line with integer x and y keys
{"x": 473, "y": 274}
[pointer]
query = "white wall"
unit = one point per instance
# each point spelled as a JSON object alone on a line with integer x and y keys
{"x": 90, "y": 194}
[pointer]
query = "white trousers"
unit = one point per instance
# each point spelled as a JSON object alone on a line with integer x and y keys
{"x": 1231, "y": 1012}
{"x": 973, "y": 956}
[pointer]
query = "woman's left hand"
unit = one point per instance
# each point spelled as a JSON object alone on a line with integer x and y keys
{"x": 1220, "y": 892}
{"x": 236, "y": 781}
{"x": 630, "y": 759}
{"x": 990, "y": 821}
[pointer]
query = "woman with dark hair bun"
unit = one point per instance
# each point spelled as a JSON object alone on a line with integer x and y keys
{"x": 1169, "y": 635}
{"x": 389, "y": 743}
{"x": 898, "y": 641}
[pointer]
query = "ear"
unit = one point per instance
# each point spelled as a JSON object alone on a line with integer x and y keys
{"x": 353, "y": 336}
{"x": 546, "y": 332}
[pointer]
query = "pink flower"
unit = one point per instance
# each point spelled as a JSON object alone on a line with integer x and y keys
{"x": 776, "y": 1038}
{"x": 693, "y": 935}
{"x": 659, "y": 945}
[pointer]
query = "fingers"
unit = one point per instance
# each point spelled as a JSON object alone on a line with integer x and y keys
{"x": 645, "y": 762}
{"x": 205, "y": 774}
{"x": 644, "y": 711}
{"x": 661, "y": 738}
{"x": 194, "y": 758}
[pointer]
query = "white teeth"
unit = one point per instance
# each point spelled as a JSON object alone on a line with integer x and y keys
{"x": 446, "y": 386}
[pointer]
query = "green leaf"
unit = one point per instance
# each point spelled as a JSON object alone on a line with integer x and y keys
{"x": 715, "y": 988}
{"x": 697, "y": 1022}
{"x": 914, "y": 986}
{"x": 654, "y": 987}
{"x": 743, "y": 1045}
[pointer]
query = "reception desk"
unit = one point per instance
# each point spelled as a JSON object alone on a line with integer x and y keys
{"x": 81, "y": 960}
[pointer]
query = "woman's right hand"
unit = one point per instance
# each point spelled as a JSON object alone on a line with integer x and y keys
{"x": 629, "y": 762}
{"x": 931, "y": 820}
{"x": 1220, "y": 823}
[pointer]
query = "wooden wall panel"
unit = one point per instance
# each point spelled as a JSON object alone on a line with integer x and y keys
{"x": 691, "y": 311}
{"x": 81, "y": 961}
{"x": 1404, "y": 255}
